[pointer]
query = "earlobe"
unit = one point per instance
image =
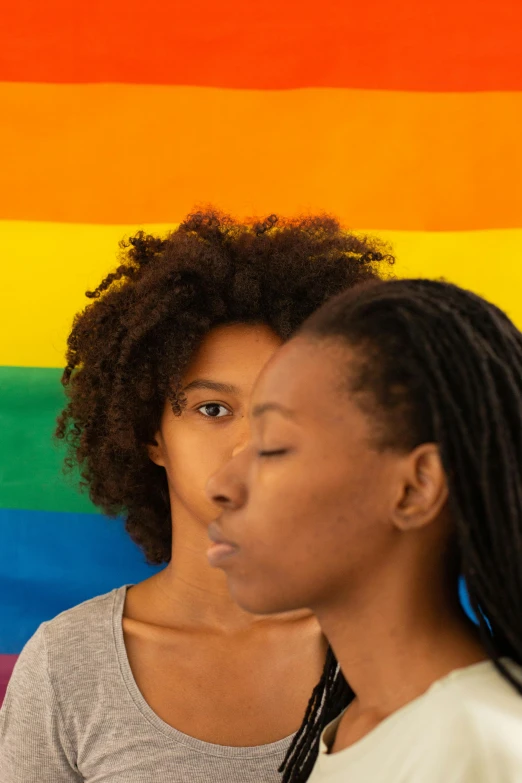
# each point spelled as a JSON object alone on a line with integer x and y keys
{"x": 423, "y": 490}
{"x": 155, "y": 451}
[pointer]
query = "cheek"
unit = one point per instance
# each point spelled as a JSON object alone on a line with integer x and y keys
{"x": 304, "y": 540}
{"x": 192, "y": 456}
{"x": 289, "y": 538}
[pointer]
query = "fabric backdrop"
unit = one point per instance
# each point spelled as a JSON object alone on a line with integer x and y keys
{"x": 401, "y": 117}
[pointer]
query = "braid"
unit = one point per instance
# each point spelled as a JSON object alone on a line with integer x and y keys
{"x": 329, "y": 697}
{"x": 439, "y": 364}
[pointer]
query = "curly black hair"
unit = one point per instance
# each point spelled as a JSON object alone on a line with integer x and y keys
{"x": 128, "y": 350}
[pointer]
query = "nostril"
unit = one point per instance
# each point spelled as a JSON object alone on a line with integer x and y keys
{"x": 221, "y": 499}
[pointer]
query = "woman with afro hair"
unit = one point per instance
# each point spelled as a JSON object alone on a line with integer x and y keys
{"x": 168, "y": 680}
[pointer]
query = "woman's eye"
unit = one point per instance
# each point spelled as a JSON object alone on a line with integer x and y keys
{"x": 212, "y": 410}
{"x": 273, "y": 453}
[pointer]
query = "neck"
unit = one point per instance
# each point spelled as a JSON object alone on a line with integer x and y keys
{"x": 394, "y": 641}
{"x": 191, "y": 593}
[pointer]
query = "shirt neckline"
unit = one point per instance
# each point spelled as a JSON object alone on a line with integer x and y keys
{"x": 207, "y": 748}
{"x": 342, "y": 757}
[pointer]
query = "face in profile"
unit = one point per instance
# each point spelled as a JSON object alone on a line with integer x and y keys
{"x": 307, "y": 505}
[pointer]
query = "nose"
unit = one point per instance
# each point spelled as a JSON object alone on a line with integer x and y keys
{"x": 226, "y": 487}
{"x": 243, "y": 437}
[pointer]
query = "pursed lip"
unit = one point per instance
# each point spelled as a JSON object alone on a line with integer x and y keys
{"x": 221, "y": 549}
{"x": 217, "y": 537}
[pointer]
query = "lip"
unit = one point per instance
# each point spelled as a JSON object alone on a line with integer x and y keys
{"x": 221, "y": 549}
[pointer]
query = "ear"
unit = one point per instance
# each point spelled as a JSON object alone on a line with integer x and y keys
{"x": 156, "y": 450}
{"x": 423, "y": 489}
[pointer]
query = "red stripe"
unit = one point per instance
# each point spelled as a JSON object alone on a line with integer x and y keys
{"x": 406, "y": 45}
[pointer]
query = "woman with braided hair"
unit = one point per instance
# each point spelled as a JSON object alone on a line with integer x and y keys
{"x": 385, "y": 464}
{"x": 167, "y": 680}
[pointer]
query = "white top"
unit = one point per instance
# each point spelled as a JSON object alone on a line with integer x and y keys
{"x": 466, "y": 728}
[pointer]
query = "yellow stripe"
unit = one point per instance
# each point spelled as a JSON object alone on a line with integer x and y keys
{"x": 49, "y": 266}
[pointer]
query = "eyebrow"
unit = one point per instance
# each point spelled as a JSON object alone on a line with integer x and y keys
{"x": 203, "y": 383}
{"x": 265, "y": 407}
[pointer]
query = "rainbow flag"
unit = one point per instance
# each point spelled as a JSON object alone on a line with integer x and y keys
{"x": 402, "y": 118}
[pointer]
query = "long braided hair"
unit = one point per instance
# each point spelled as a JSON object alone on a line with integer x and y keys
{"x": 329, "y": 697}
{"x": 439, "y": 364}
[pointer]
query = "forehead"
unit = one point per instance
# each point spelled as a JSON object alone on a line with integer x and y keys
{"x": 233, "y": 352}
{"x": 306, "y": 376}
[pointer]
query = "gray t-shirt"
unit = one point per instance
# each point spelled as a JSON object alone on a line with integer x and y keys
{"x": 73, "y": 712}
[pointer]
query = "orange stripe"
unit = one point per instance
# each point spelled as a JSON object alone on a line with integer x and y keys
{"x": 131, "y": 154}
{"x": 412, "y": 45}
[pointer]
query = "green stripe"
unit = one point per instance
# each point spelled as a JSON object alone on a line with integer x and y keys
{"x": 31, "y": 474}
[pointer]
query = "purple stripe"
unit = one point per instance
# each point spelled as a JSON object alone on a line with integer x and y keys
{"x": 7, "y": 663}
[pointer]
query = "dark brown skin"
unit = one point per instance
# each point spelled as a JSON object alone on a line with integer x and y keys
{"x": 195, "y": 655}
{"x": 317, "y": 517}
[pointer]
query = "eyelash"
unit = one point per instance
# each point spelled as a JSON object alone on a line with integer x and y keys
{"x": 275, "y": 453}
{"x": 216, "y": 404}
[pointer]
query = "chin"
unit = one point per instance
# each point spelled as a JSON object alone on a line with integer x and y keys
{"x": 259, "y": 601}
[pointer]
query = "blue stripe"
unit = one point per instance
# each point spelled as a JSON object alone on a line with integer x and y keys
{"x": 50, "y": 561}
